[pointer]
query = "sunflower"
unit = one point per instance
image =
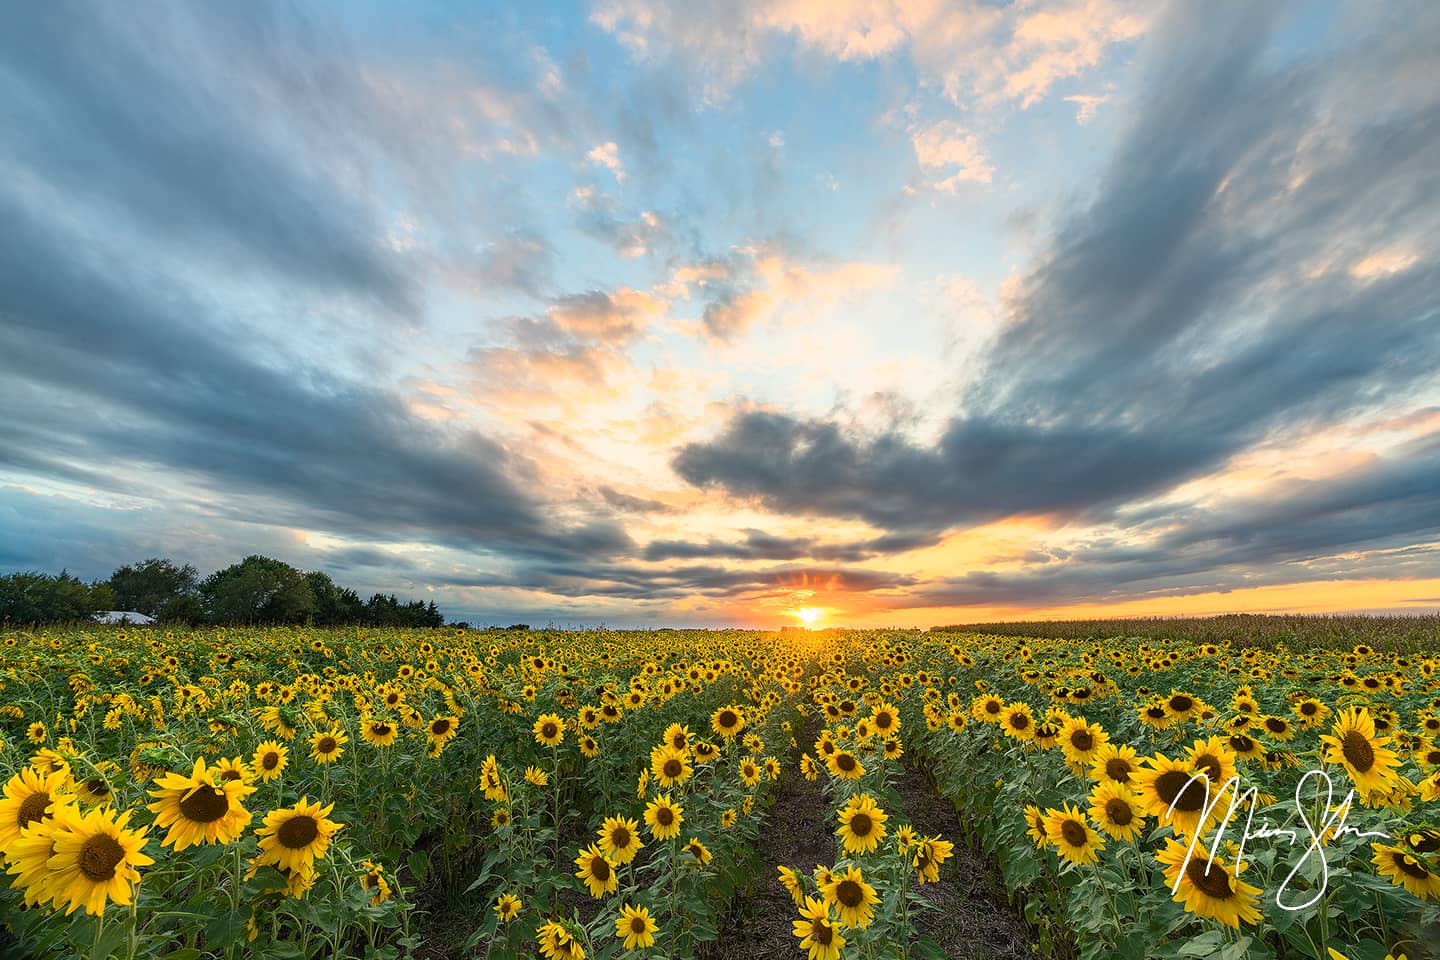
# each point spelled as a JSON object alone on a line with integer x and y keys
{"x": 664, "y": 817}
{"x": 97, "y": 789}
{"x": 200, "y": 808}
{"x": 1311, "y": 712}
{"x": 536, "y": 777}
{"x": 987, "y": 709}
{"x": 28, "y": 858}
{"x": 1244, "y": 746}
{"x": 1354, "y": 745}
{"x": 852, "y": 898}
{"x": 749, "y": 772}
{"x": 31, "y": 797}
{"x": 326, "y": 746}
{"x": 1035, "y": 826}
{"x": 728, "y": 818}
{"x": 792, "y": 883}
{"x": 95, "y": 860}
{"x": 677, "y": 737}
{"x": 507, "y": 907}
{"x": 597, "y": 870}
{"x": 862, "y": 824}
{"x": 669, "y": 766}
{"x": 1018, "y": 721}
{"x": 930, "y": 853}
{"x": 1428, "y": 756}
{"x": 441, "y": 730}
{"x": 1276, "y": 728}
{"x": 293, "y": 838}
{"x": 620, "y": 839}
{"x": 373, "y": 880}
{"x": 699, "y": 851}
{"x": 377, "y": 732}
{"x": 35, "y": 733}
{"x": 1114, "y": 763}
{"x": 705, "y": 751}
{"x": 1215, "y": 758}
{"x": 816, "y": 932}
{"x": 886, "y": 720}
{"x": 1047, "y": 734}
{"x": 1117, "y": 810}
{"x": 1406, "y": 870}
{"x": 727, "y": 721}
{"x": 636, "y": 927}
{"x": 500, "y": 818}
{"x": 1180, "y": 705}
{"x": 1164, "y": 784}
{"x": 1207, "y": 888}
{"x": 844, "y": 765}
{"x": 1080, "y": 740}
{"x": 549, "y": 730}
{"x": 270, "y": 760}
{"x": 1072, "y": 836}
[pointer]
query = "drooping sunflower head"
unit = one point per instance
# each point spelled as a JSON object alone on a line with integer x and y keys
{"x": 1406, "y": 869}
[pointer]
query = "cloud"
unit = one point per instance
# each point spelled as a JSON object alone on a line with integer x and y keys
{"x": 1087, "y": 105}
{"x": 609, "y": 318}
{"x": 967, "y": 50}
{"x": 183, "y": 164}
{"x": 947, "y": 147}
{"x": 601, "y": 218}
{"x": 607, "y": 155}
{"x": 519, "y": 260}
{"x": 1163, "y": 329}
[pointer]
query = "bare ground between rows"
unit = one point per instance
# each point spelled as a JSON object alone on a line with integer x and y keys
{"x": 973, "y": 916}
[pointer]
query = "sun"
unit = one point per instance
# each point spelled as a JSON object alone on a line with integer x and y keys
{"x": 809, "y": 615}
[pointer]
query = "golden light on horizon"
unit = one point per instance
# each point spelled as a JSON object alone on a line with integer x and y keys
{"x": 809, "y": 616}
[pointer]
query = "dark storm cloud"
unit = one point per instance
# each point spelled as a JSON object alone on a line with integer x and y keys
{"x": 759, "y": 545}
{"x": 109, "y": 109}
{"x": 632, "y": 582}
{"x": 178, "y": 396}
{"x": 1206, "y": 299}
{"x": 626, "y": 503}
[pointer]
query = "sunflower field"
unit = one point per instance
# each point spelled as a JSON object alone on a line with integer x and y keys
{"x": 292, "y": 793}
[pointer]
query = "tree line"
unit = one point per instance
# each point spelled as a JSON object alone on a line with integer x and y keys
{"x": 256, "y": 590}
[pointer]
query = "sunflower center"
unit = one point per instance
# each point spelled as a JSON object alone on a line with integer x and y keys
{"x": 1019, "y": 721}
{"x": 1356, "y": 749}
{"x": 1118, "y": 769}
{"x": 1082, "y": 740}
{"x": 548, "y": 731}
{"x": 1275, "y": 725}
{"x": 1211, "y": 765}
{"x": 32, "y": 808}
{"x": 637, "y": 925}
{"x": 326, "y": 745}
{"x": 678, "y": 741}
{"x": 99, "y": 857}
{"x": 727, "y": 718}
{"x": 1176, "y": 788}
{"x": 1155, "y": 713}
{"x": 297, "y": 833}
{"x": 600, "y": 870}
{"x": 992, "y": 707}
{"x": 205, "y": 805}
{"x": 861, "y": 824}
{"x": 270, "y": 761}
{"x": 1308, "y": 709}
{"x": 440, "y": 727}
{"x": 673, "y": 767}
{"x": 822, "y": 933}
{"x": 664, "y": 816}
{"x": 620, "y": 837}
{"x": 1118, "y": 812}
{"x": 845, "y": 762}
{"x": 1180, "y": 703}
{"x": 381, "y": 729}
{"x": 1073, "y": 832}
{"x": 1409, "y": 865}
{"x": 97, "y": 787}
{"x": 1242, "y": 743}
{"x": 883, "y": 720}
{"x": 1209, "y": 878}
{"x": 849, "y": 894}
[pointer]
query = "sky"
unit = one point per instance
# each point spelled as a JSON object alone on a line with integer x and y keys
{"x": 647, "y": 312}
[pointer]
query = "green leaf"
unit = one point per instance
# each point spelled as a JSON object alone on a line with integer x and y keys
{"x": 419, "y": 865}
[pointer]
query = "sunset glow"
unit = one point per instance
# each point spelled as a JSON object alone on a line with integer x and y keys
{"x": 650, "y": 313}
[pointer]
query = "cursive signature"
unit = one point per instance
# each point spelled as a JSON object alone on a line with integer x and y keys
{"x": 1332, "y": 823}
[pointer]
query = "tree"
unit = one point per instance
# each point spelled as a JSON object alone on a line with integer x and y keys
{"x": 184, "y": 608}
{"x": 257, "y": 590}
{"x": 146, "y": 587}
{"x": 40, "y": 598}
{"x": 333, "y": 604}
